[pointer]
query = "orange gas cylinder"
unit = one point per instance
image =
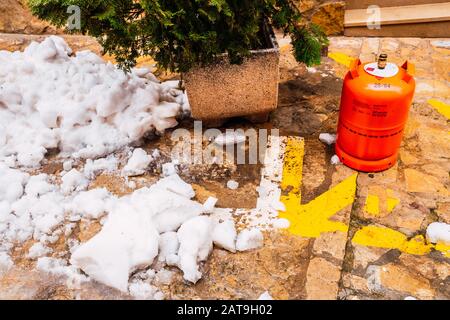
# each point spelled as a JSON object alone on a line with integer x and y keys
{"x": 375, "y": 103}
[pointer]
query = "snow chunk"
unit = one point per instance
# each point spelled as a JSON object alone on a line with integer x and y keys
{"x": 195, "y": 238}
{"x": 38, "y": 186}
{"x": 128, "y": 240}
{"x": 249, "y": 239}
{"x": 5, "y": 262}
{"x": 327, "y": 138}
{"x": 164, "y": 276}
{"x": 92, "y": 204}
{"x": 265, "y": 296}
{"x": 233, "y": 185}
{"x": 168, "y": 169}
{"x": 335, "y": 160}
{"x": 176, "y": 185}
{"x": 73, "y": 180}
{"x": 224, "y": 235}
{"x": 143, "y": 291}
{"x": 11, "y": 183}
{"x": 80, "y": 104}
{"x": 209, "y": 205}
{"x": 38, "y": 250}
{"x": 229, "y": 137}
{"x": 439, "y": 232}
{"x": 281, "y": 223}
{"x": 137, "y": 163}
{"x": 59, "y": 267}
{"x": 94, "y": 167}
{"x": 168, "y": 245}
{"x": 68, "y": 165}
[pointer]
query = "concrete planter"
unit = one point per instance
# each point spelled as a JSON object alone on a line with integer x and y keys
{"x": 221, "y": 91}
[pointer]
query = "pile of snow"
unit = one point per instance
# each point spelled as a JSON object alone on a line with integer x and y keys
{"x": 439, "y": 232}
{"x": 88, "y": 108}
{"x": 80, "y": 104}
{"x": 159, "y": 222}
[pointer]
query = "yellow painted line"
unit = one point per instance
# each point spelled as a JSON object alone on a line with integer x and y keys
{"x": 341, "y": 58}
{"x": 312, "y": 219}
{"x": 372, "y": 204}
{"x": 440, "y": 107}
{"x": 292, "y": 173}
{"x": 392, "y": 201}
{"x": 382, "y": 237}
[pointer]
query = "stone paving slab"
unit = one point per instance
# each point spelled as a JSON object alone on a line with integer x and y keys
{"x": 400, "y": 201}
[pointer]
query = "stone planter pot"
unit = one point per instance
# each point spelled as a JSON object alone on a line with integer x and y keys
{"x": 222, "y": 90}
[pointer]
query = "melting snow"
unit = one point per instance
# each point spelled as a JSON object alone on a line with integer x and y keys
{"x": 80, "y": 104}
{"x": 88, "y": 109}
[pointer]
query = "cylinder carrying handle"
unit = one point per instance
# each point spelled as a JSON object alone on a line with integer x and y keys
{"x": 354, "y": 68}
{"x": 410, "y": 69}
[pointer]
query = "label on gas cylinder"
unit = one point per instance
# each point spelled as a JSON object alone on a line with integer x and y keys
{"x": 390, "y": 70}
{"x": 372, "y": 110}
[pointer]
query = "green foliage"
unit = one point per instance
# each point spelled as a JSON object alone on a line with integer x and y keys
{"x": 179, "y": 34}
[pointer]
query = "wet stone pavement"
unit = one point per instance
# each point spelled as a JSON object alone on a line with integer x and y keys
{"x": 349, "y": 263}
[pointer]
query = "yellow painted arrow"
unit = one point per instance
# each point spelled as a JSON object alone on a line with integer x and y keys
{"x": 313, "y": 218}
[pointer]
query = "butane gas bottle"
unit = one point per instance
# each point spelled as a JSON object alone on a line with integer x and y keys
{"x": 375, "y": 103}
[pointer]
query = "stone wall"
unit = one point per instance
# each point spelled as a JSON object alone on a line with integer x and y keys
{"x": 15, "y": 17}
{"x": 329, "y": 14}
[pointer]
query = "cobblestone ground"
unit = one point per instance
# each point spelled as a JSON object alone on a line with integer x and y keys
{"x": 392, "y": 261}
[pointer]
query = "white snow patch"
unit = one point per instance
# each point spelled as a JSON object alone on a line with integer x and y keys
{"x": 169, "y": 169}
{"x": 209, "y": 205}
{"x": 59, "y": 267}
{"x": 141, "y": 290}
{"x": 281, "y": 223}
{"x": 72, "y": 181}
{"x": 230, "y": 137}
{"x": 81, "y": 104}
{"x": 195, "y": 238}
{"x": 164, "y": 276}
{"x": 38, "y": 250}
{"x": 95, "y": 167}
{"x": 168, "y": 245}
{"x": 138, "y": 163}
{"x": 68, "y": 165}
{"x": 6, "y": 263}
{"x": 335, "y": 160}
{"x": 233, "y": 185}
{"x": 12, "y": 183}
{"x": 224, "y": 235}
{"x": 127, "y": 241}
{"x": 439, "y": 232}
{"x": 39, "y": 185}
{"x": 92, "y": 204}
{"x": 327, "y": 138}
{"x": 249, "y": 239}
{"x": 130, "y": 237}
{"x": 265, "y": 296}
